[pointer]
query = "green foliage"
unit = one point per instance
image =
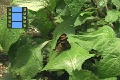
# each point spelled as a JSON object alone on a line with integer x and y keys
{"x": 83, "y": 75}
{"x": 110, "y": 62}
{"x": 28, "y": 60}
{"x": 8, "y": 36}
{"x": 100, "y": 41}
{"x": 74, "y": 6}
{"x": 116, "y": 3}
{"x": 112, "y": 16}
{"x": 112, "y": 78}
{"x": 92, "y": 28}
{"x": 69, "y": 61}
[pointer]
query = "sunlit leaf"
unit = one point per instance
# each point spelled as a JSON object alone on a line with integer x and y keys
{"x": 101, "y": 3}
{"x": 112, "y": 16}
{"x": 82, "y": 75}
{"x": 96, "y": 40}
{"x": 69, "y": 60}
{"x": 102, "y": 40}
{"x": 34, "y": 5}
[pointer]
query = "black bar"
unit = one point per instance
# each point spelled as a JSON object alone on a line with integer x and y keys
{"x": 8, "y": 18}
{"x": 23, "y": 17}
{"x": 26, "y": 18}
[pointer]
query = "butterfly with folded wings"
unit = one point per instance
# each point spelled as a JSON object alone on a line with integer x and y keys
{"x": 62, "y": 43}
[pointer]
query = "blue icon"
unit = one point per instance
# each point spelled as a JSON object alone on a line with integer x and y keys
{"x": 16, "y": 9}
{"x": 17, "y": 17}
{"x": 16, "y": 24}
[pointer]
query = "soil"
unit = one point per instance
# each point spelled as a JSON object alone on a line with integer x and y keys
{"x": 3, "y": 7}
{"x": 3, "y": 58}
{"x": 3, "y": 64}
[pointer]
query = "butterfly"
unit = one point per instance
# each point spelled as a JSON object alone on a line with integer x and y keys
{"x": 62, "y": 43}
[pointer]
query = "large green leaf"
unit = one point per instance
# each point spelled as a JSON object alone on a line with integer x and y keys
{"x": 28, "y": 61}
{"x": 104, "y": 41}
{"x": 69, "y": 60}
{"x": 82, "y": 75}
{"x": 96, "y": 40}
{"x": 8, "y": 36}
{"x": 111, "y": 60}
{"x": 112, "y": 16}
